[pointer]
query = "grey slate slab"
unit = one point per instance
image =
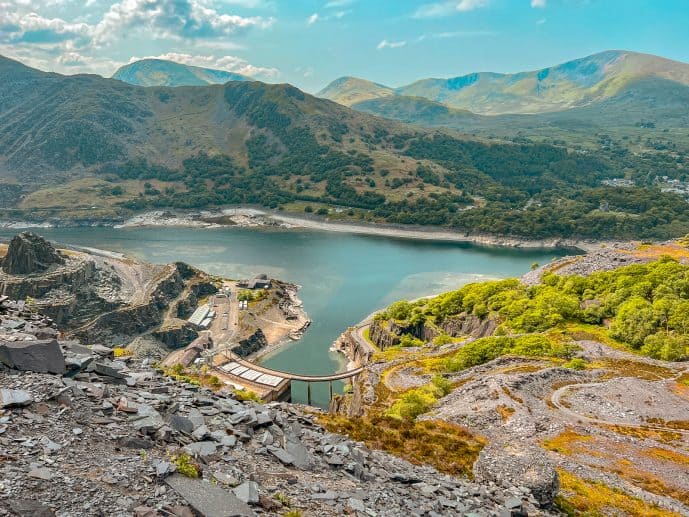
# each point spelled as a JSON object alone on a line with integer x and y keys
{"x": 209, "y": 500}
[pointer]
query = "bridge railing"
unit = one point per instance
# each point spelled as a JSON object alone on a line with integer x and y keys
{"x": 308, "y": 379}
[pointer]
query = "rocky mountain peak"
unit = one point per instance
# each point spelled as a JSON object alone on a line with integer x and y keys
{"x": 29, "y": 253}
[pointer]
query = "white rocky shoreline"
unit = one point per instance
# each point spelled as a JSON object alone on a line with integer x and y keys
{"x": 251, "y": 217}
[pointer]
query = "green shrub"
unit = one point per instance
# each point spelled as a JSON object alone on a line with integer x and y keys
{"x": 641, "y": 301}
{"x": 575, "y": 364}
{"x": 407, "y": 340}
{"x": 245, "y": 395}
{"x": 666, "y": 346}
{"x": 185, "y": 465}
{"x": 486, "y": 349}
{"x": 442, "y": 339}
{"x": 417, "y": 401}
{"x": 413, "y": 403}
{"x": 443, "y": 385}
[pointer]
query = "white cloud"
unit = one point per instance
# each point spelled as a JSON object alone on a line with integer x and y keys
{"x": 312, "y": 19}
{"x": 456, "y": 34}
{"x": 249, "y": 4}
{"x": 539, "y": 3}
{"x": 447, "y": 8}
{"x": 540, "y": 21}
{"x": 434, "y": 10}
{"x": 390, "y": 44}
{"x": 338, "y": 3}
{"x": 470, "y": 5}
{"x": 20, "y": 26}
{"x": 180, "y": 19}
{"x": 172, "y": 19}
{"x": 227, "y": 63}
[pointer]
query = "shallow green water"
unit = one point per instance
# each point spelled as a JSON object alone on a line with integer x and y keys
{"x": 343, "y": 277}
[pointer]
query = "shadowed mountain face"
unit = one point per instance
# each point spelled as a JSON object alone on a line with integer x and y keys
{"x": 160, "y": 72}
{"x": 51, "y": 122}
{"x": 575, "y": 84}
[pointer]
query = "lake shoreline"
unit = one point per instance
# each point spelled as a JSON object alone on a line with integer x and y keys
{"x": 253, "y": 217}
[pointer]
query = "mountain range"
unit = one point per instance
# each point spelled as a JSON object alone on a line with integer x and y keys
{"x": 573, "y": 84}
{"x": 615, "y": 92}
{"x": 72, "y": 143}
{"x": 161, "y": 72}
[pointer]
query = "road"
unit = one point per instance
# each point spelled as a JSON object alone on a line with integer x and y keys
{"x": 226, "y": 322}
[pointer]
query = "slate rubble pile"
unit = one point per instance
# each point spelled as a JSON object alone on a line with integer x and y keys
{"x": 109, "y": 437}
{"x": 18, "y": 322}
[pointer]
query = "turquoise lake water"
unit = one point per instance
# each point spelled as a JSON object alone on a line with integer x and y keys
{"x": 343, "y": 277}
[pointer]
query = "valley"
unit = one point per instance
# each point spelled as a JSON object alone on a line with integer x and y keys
{"x": 192, "y": 224}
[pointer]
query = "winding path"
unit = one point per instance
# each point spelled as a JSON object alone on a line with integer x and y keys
{"x": 556, "y": 399}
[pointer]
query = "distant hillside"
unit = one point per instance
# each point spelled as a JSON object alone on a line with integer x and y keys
{"x": 352, "y": 90}
{"x": 574, "y": 84}
{"x": 86, "y": 148}
{"x": 160, "y": 72}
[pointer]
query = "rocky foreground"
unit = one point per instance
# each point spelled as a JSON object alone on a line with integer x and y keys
{"x": 82, "y": 433}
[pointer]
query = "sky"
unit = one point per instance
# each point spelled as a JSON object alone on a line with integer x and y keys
{"x": 309, "y": 43}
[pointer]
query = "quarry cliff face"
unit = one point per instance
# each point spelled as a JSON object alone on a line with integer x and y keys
{"x": 100, "y": 297}
{"x": 388, "y": 333}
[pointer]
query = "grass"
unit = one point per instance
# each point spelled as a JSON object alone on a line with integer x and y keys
{"x": 592, "y": 499}
{"x": 282, "y": 499}
{"x": 119, "y": 351}
{"x": 76, "y": 197}
{"x": 622, "y": 462}
{"x": 367, "y": 337}
{"x": 680, "y": 425}
{"x": 627, "y": 367}
{"x": 668, "y": 455}
{"x": 505, "y": 412}
{"x": 646, "y": 433}
{"x": 655, "y": 251}
{"x": 392, "y": 353}
{"x": 567, "y": 443}
{"x": 447, "y": 447}
{"x": 648, "y": 481}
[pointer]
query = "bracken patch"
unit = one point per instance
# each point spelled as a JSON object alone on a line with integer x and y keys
{"x": 447, "y": 447}
{"x": 589, "y": 498}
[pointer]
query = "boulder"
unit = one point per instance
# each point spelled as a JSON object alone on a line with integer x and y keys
{"x": 28, "y": 253}
{"x": 526, "y": 466}
{"x": 28, "y": 508}
{"x": 247, "y": 492}
{"x": 14, "y": 398}
{"x": 42, "y": 356}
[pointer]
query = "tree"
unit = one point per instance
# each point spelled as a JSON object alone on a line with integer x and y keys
{"x": 634, "y": 321}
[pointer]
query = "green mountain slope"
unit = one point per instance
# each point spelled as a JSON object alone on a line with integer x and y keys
{"x": 574, "y": 84}
{"x": 91, "y": 146}
{"x": 160, "y": 72}
{"x": 660, "y": 102}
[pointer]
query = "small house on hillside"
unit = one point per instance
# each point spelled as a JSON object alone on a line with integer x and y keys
{"x": 258, "y": 282}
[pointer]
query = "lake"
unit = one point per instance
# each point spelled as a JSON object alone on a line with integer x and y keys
{"x": 343, "y": 277}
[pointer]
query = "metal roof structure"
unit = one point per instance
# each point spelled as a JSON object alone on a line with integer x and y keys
{"x": 200, "y": 314}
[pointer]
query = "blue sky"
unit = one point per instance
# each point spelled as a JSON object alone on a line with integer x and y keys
{"x": 310, "y": 42}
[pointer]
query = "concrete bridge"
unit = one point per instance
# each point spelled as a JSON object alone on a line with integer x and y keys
{"x": 270, "y": 384}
